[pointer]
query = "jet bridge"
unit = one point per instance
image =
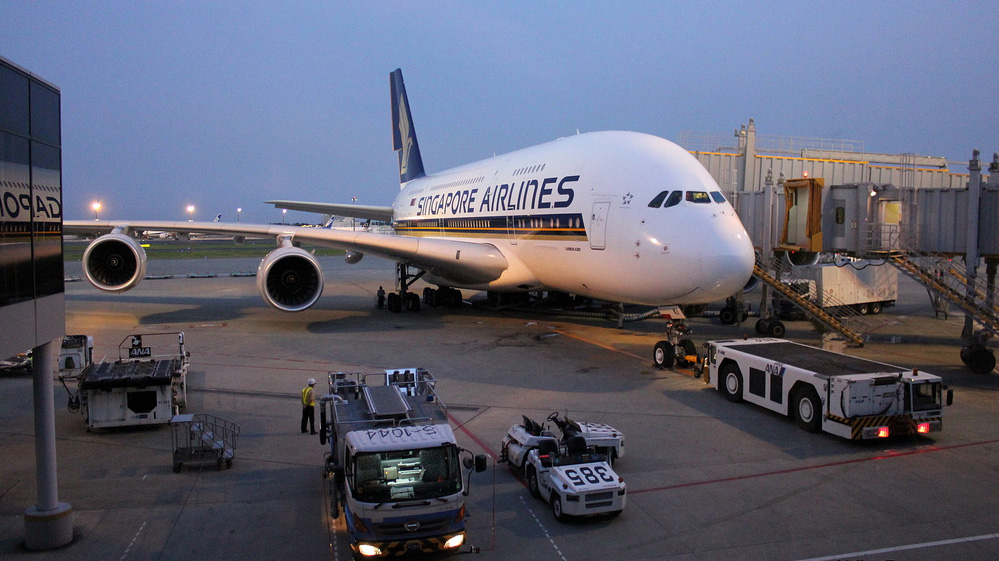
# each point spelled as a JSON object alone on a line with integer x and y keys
{"x": 919, "y": 231}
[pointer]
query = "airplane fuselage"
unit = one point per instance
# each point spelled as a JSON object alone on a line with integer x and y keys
{"x": 576, "y": 215}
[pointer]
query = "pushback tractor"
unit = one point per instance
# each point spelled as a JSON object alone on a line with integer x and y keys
{"x": 395, "y": 463}
{"x": 823, "y": 390}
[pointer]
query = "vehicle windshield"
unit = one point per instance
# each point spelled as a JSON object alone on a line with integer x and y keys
{"x": 926, "y": 397}
{"x": 402, "y": 475}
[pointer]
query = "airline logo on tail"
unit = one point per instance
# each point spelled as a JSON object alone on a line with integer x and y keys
{"x": 407, "y": 140}
{"x": 403, "y": 133}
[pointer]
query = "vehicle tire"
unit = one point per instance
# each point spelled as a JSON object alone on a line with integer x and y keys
{"x": 777, "y": 329}
{"x": 730, "y": 382}
{"x": 454, "y": 298}
{"x": 875, "y": 308}
{"x": 614, "y": 514}
{"x": 532, "y": 482}
{"x": 763, "y": 326}
{"x": 557, "y": 508}
{"x": 862, "y": 309}
{"x": 176, "y": 468}
{"x": 412, "y": 302}
{"x": 228, "y": 464}
{"x": 727, "y": 315}
{"x": 807, "y": 409}
{"x": 663, "y": 354}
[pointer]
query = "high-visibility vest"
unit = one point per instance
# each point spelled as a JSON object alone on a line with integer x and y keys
{"x": 308, "y": 396}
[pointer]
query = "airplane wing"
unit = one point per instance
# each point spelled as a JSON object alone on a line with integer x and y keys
{"x": 383, "y": 213}
{"x": 462, "y": 262}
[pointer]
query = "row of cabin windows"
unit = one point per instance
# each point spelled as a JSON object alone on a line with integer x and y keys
{"x": 667, "y": 199}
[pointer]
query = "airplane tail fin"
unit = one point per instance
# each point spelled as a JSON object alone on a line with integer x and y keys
{"x": 403, "y": 132}
{"x": 218, "y": 218}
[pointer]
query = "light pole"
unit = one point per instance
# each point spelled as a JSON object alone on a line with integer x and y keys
{"x": 97, "y": 208}
{"x": 190, "y": 213}
{"x": 238, "y": 211}
{"x": 284, "y": 212}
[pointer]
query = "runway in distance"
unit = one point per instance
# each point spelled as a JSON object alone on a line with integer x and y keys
{"x": 622, "y": 217}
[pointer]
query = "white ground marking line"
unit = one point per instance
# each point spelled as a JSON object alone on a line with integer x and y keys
{"x": 135, "y": 537}
{"x": 905, "y": 547}
{"x": 544, "y": 530}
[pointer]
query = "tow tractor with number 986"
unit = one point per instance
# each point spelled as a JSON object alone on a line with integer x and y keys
{"x": 574, "y": 479}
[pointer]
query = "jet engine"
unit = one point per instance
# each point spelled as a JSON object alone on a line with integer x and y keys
{"x": 799, "y": 258}
{"x": 114, "y": 262}
{"x": 290, "y": 279}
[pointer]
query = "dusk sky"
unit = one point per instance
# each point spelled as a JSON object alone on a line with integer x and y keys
{"x": 225, "y": 104}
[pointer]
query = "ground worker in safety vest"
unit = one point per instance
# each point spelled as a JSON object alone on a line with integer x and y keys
{"x": 309, "y": 406}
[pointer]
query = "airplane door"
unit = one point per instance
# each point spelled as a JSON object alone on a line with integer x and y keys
{"x": 598, "y": 225}
{"x": 511, "y": 229}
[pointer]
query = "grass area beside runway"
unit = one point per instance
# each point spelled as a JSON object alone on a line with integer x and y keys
{"x": 196, "y": 249}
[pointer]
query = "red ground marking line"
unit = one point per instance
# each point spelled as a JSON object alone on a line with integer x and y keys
{"x": 819, "y": 466}
{"x": 474, "y": 438}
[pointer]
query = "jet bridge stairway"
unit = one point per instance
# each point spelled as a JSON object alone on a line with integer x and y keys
{"x": 821, "y": 315}
{"x": 952, "y": 285}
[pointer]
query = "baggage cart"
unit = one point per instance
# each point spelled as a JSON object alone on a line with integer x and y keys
{"x": 202, "y": 438}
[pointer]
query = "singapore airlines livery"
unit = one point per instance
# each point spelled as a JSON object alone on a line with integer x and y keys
{"x": 622, "y": 217}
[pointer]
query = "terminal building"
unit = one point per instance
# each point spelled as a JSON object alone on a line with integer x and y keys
{"x": 32, "y": 300}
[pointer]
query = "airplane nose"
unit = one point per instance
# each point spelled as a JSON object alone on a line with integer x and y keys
{"x": 727, "y": 262}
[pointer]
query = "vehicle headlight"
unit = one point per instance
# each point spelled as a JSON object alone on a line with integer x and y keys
{"x": 368, "y": 550}
{"x": 454, "y": 541}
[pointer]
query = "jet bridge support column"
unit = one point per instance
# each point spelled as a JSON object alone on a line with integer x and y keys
{"x": 48, "y": 524}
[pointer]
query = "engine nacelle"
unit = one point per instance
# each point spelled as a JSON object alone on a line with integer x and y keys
{"x": 799, "y": 258}
{"x": 353, "y": 257}
{"x": 114, "y": 262}
{"x": 290, "y": 279}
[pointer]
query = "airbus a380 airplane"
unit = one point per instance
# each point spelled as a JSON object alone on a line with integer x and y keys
{"x": 622, "y": 217}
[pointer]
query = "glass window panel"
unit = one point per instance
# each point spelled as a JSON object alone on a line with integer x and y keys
{"x": 13, "y": 101}
{"x": 16, "y": 274}
{"x": 46, "y": 192}
{"x": 44, "y": 114}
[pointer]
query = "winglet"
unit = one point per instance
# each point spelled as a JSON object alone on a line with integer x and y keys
{"x": 403, "y": 132}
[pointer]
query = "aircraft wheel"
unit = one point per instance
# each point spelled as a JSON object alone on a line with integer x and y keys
{"x": 876, "y": 308}
{"x": 731, "y": 382}
{"x": 727, "y": 315}
{"x": 412, "y": 302}
{"x": 807, "y": 409}
{"x": 686, "y": 348}
{"x": 663, "y": 355}
{"x": 862, "y": 309}
{"x": 394, "y": 302}
{"x": 776, "y": 329}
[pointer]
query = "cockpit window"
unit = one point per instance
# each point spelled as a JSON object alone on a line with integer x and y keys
{"x": 674, "y": 199}
{"x": 698, "y": 197}
{"x": 658, "y": 201}
{"x": 718, "y": 197}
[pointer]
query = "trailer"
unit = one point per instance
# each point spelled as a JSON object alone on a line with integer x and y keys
{"x": 142, "y": 387}
{"x": 395, "y": 463}
{"x": 843, "y": 395}
{"x": 865, "y": 287}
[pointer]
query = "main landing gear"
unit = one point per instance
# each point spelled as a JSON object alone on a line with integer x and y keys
{"x": 411, "y": 301}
